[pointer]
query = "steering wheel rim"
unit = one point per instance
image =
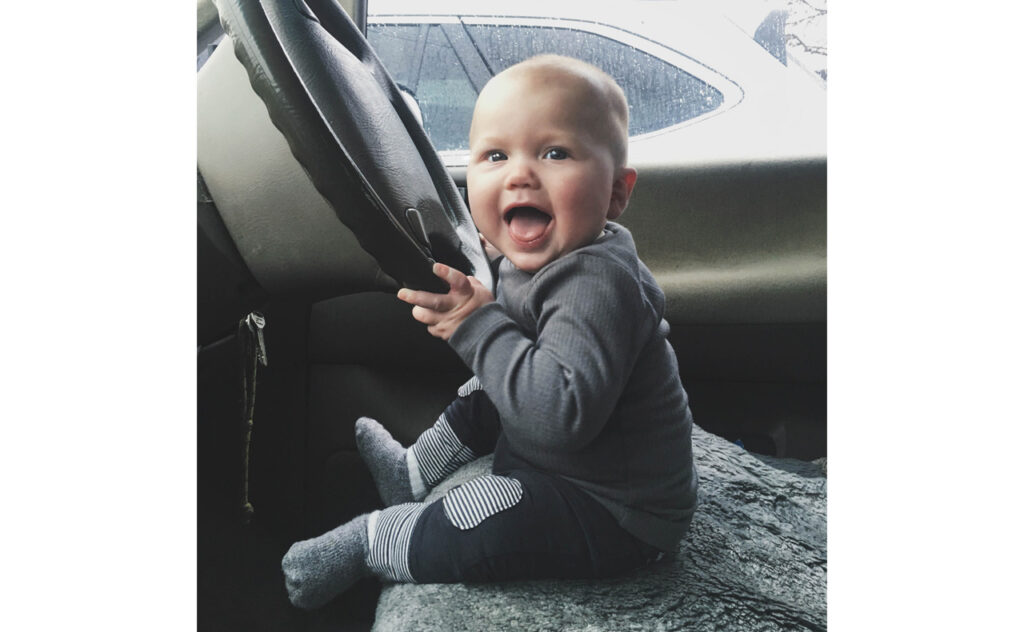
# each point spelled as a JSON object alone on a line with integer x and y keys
{"x": 349, "y": 127}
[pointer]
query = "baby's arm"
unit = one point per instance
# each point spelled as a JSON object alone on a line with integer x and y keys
{"x": 443, "y": 313}
{"x": 556, "y": 391}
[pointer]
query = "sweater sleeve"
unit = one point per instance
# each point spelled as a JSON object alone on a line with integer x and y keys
{"x": 556, "y": 392}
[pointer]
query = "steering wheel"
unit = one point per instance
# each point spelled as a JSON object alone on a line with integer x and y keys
{"x": 349, "y": 127}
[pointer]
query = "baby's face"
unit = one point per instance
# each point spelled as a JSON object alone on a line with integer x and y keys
{"x": 541, "y": 173}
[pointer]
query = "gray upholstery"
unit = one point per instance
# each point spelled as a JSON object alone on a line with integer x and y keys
{"x": 287, "y": 233}
{"x": 755, "y": 559}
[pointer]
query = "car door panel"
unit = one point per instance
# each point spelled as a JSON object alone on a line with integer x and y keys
{"x": 734, "y": 243}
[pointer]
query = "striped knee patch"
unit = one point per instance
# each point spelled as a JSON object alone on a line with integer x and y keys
{"x": 469, "y": 504}
{"x": 472, "y": 385}
{"x": 389, "y": 547}
{"x": 438, "y": 452}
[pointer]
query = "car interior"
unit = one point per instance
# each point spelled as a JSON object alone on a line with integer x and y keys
{"x": 319, "y": 195}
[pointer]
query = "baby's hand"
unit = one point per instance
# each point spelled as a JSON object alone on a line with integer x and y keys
{"x": 443, "y": 313}
{"x": 491, "y": 252}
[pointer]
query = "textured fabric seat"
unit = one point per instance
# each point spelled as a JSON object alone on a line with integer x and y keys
{"x": 755, "y": 559}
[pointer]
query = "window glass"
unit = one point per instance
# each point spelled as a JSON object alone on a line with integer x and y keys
{"x": 395, "y": 44}
{"x": 760, "y": 64}
{"x": 445, "y": 94}
{"x": 659, "y": 94}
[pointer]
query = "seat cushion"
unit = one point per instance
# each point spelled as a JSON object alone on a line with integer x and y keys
{"x": 755, "y": 559}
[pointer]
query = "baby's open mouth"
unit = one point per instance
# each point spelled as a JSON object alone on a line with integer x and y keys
{"x": 526, "y": 223}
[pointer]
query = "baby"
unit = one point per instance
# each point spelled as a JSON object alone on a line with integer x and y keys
{"x": 576, "y": 389}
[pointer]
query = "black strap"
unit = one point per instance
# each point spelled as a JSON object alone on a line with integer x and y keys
{"x": 254, "y": 353}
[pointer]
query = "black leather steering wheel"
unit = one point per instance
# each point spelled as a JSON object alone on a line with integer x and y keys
{"x": 347, "y": 124}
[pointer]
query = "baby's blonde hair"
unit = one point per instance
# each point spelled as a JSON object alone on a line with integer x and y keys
{"x": 608, "y": 95}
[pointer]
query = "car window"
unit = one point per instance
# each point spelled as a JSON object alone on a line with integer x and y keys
{"x": 704, "y": 80}
{"x": 445, "y": 94}
{"x": 659, "y": 94}
{"x": 422, "y": 59}
{"x": 397, "y": 47}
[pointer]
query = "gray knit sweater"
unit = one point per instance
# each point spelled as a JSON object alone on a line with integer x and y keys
{"x": 575, "y": 358}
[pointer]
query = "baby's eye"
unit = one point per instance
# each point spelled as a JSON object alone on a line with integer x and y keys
{"x": 556, "y": 153}
{"x": 495, "y": 156}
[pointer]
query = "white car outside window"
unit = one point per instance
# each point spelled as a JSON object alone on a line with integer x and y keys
{"x": 734, "y": 80}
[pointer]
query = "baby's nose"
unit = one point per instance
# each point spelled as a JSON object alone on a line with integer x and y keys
{"x": 521, "y": 174}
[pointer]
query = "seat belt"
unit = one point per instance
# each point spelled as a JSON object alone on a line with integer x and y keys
{"x": 254, "y": 353}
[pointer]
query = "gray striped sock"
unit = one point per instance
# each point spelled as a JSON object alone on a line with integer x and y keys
{"x": 386, "y": 459}
{"x": 320, "y": 569}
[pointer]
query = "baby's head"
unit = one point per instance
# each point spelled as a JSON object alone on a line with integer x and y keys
{"x": 548, "y": 150}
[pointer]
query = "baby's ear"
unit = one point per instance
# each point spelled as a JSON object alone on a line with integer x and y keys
{"x": 622, "y": 188}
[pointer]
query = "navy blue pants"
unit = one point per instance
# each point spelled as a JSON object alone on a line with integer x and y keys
{"x": 517, "y": 524}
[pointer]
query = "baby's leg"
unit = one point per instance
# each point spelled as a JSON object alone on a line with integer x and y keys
{"x": 386, "y": 459}
{"x": 525, "y": 525}
{"x": 521, "y": 526}
{"x": 468, "y": 428}
{"x": 319, "y": 569}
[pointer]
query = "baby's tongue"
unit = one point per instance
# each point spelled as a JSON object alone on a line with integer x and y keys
{"x": 527, "y": 224}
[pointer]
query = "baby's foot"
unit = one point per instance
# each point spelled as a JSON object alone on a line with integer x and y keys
{"x": 386, "y": 459}
{"x": 320, "y": 569}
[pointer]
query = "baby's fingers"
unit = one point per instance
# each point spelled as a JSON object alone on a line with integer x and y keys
{"x": 457, "y": 281}
{"x": 427, "y": 300}
{"x": 425, "y": 316}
